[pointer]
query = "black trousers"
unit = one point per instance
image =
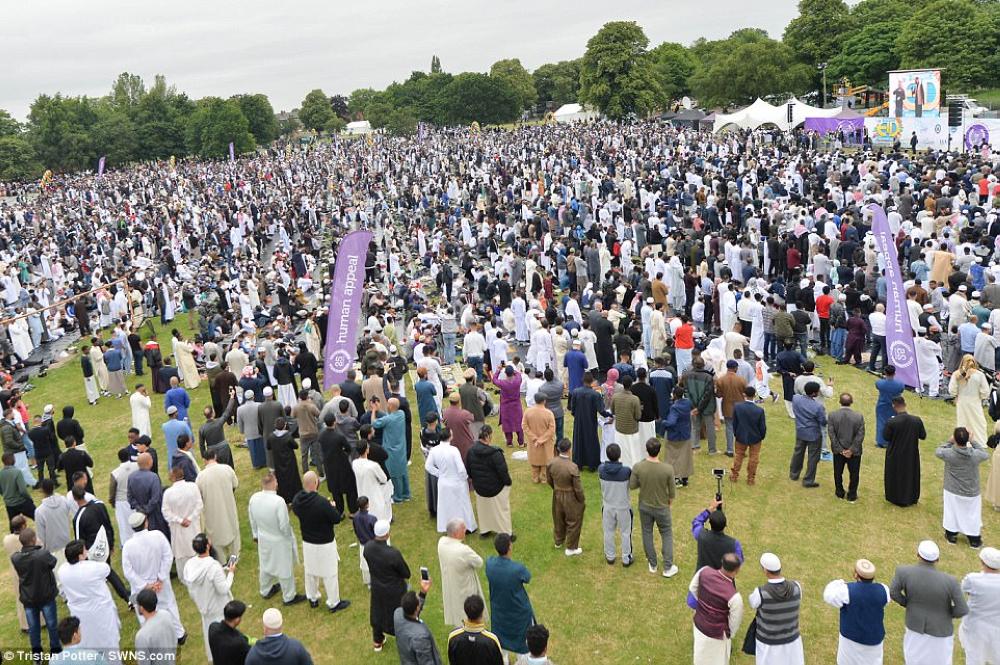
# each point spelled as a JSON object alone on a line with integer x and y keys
{"x": 47, "y": 461}
{"x": 854, "y": 471}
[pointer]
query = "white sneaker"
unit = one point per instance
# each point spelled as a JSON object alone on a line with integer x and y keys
{"x": 577, "y": 552}
{"x": 671, "y": 571}
{"x": 653, "y": 569}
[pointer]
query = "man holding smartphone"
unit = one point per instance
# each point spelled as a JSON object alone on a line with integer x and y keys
{"x": 209, "y": 584}
{"x": 414, "y": 639}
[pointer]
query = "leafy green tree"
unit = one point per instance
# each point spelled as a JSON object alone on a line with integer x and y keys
{"x": 617, "y": 75}
{"x": 161, "y": 120}
{"x": 289, "y": 124}
{"x": 8, "y": 126}
{"x": 214, "y": 124}
{"x": 59, "y": 129}
{"x": 960, "y": 36}
{"x": 749, "y": 69}
{"x": 477, "y": 97}
{"x": 315, "y": 112}
{"x": 674, "y": 65}
{"x": 260, "y": 114}
{"x": 816, "y": 33}
{"x": 401, "y": 122}
{"x": 113, "y": 134}
{"x": 358, "y": 102}
{"x": 514, "y": 73}
{"x": 435, "y": 65}
{"x": 558, "y": 82}
{"x": 18, "y": 161}
{"x": 127, "y": 91}
{"x": 866, "y": 55}
{"x": 335, "y": 125}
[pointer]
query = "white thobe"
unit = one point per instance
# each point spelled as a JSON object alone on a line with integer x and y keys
{"x": 84, "y": 584}
{"x": 776, "y": 654}
{"x": 928, "y": 365}
{"x": 520, "y": 310}
{"x": 140, "y": 413}
{"x": 980, "y": 629}
{"x": 146, "y": 559}
{"x": 850, "y": 652}
{"x": 923, "y": 649}
{"x": 210, "y": 588}
{"x": 373, "y": 483}
{"x": 182, "y": 501}
{"x": 272, "y": 530}
{"x": 444, "y": 462}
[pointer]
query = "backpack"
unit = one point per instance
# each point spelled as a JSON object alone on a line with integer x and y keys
{"x": 994, "y": 403}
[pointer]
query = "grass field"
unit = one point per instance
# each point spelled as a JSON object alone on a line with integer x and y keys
{"x": 596, "y": 613}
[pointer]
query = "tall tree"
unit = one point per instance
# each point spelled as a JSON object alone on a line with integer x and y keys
{"x": 8, "y": 126}
{"x": 338, "y": 104}
{"x": 18, "y": 161}
{"x": 514, "y": 73}
{"x": 674, "y": 65}
{"x": 960, "y": 36}
{"x": 161, "y": 120}
{"x": 748, "y": 69}
{"x": 816, "y": 33}
{"x": 315, "y": 112}
{"x": 214, "y": 124}
{"x": 866, "y": 55}
{"x": 558, "y": 82}
{"x": 480, "y": 98}
{"x": 260, "y": 114}
{"x": 127, "y": 91}
{"x": 435, "y": 65}
{"x": 617, "y": 74}
{"x": 113, "y": 134}
{"x": 60, "y": 131}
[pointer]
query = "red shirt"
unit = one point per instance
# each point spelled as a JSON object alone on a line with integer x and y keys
{"x": 684, "y": 337}
{"x": 823, "y": 306}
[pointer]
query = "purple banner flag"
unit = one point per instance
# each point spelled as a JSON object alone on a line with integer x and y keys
{"x": 898, "y": 331}
{"x": 346, "y": 293}
{"x": 100, "y": 165}
{"x": 232, "y": 152}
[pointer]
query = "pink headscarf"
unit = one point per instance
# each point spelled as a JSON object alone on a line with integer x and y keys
{"x": 609, "y": 382}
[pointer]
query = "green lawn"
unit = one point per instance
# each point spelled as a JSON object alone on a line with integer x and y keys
{"x": 595, "y": 613}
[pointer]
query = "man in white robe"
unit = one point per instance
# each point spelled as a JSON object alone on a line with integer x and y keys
{"x": 444, "y": 462}
{"x": 928, "y": 362}
{"x": 520, "y": 311}
{"x": 980, "y": 629}
{"x": 84, "y": 585}
{"x": 141, "y": 403}
{"x": 182, "y": 506}
{"x": 209, "y": 584}
{"x": 459, "y": 573}
{"x": 146, "y": 561}
{"x": 373, "y": 483}
{"x": 217, "y": 484}
{"x": 276, "y": 549}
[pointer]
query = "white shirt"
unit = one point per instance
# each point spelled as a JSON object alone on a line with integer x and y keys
{"x": 473, "y": 345}
{"x": 877, "y": 321}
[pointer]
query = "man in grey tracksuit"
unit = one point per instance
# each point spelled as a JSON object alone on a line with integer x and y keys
{"x": 616, "y": 505}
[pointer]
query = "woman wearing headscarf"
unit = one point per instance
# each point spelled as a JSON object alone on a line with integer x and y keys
{"x": 969, "y": 388}
{"x": 609, "y": 389}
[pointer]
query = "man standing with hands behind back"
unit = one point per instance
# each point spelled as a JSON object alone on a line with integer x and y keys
{"x": 847, "y": 434}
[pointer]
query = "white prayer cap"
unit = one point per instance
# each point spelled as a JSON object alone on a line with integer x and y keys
{"x": 307, "y": 383}
{"x": 382, "y": 528}
{"x": 991, "y": 557}
{"x": 963, "y": 287}
{"x": 921, "y": 330}
{"x": 865, "y": 569}
{"x": 171, "y": 410}
{"x": 272, "y": 618}
{"x": 804, "y": 284}
{"x": 268, "y": 391}
{"x": 49, "y": 408}
{"x": 770, "y": 562}
{"x": 929, "y": 306}
{"x": 247, "y": 394}
{"x": 928, "y": 550}
{"x": 649, "y": 300}
{"x": 987, "y": 326}
{"x": 136, "y": 519}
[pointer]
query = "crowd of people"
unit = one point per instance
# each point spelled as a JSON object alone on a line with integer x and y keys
{"x": 647, "y": 281}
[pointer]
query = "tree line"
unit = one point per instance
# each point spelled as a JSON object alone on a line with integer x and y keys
{"x": 618, "y": 74}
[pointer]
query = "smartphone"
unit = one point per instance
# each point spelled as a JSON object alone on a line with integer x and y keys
{"x": 233, "y": 558}
{"x": 425, "y": 574}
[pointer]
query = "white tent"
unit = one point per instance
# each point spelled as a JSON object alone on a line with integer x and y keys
{"x": 760, "y": 113}
{"x": 574, "y": 113}
{"x": 358, "y": 127}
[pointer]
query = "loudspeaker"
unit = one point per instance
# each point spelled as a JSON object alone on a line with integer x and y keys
{"x": 790, "y": 114}
{"x": 955, "y": 113}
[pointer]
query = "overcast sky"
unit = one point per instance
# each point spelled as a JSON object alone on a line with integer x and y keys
{"x": 285, "y": 49}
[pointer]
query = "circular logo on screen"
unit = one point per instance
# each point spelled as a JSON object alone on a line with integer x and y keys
{"x": 899, "y": 354}
{"x": 340, "y": 361}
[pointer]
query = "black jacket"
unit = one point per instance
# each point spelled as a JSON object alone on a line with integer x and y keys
{"x": 69, "y": 426}
{"x": 352, "y": 391}
{"x": 44, "y": 441}
{"x": 487, "y": 469}
{"x": 228, "y": 645}
{"x": 74, "y": 460}
{"x": 317, "y": 516}
{"x": 35, "y": 568}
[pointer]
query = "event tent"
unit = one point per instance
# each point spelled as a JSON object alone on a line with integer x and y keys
{"x": 761, "y": 113}
{"x": 358, "y": 127}
{"x": 689, "y": 118}
{"x": 574, "y": 113}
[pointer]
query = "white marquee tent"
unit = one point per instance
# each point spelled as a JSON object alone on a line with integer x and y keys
{"x": 761, "y": 113}
{"x": 574, "y": 113}
{"x": 358, "y": 127}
